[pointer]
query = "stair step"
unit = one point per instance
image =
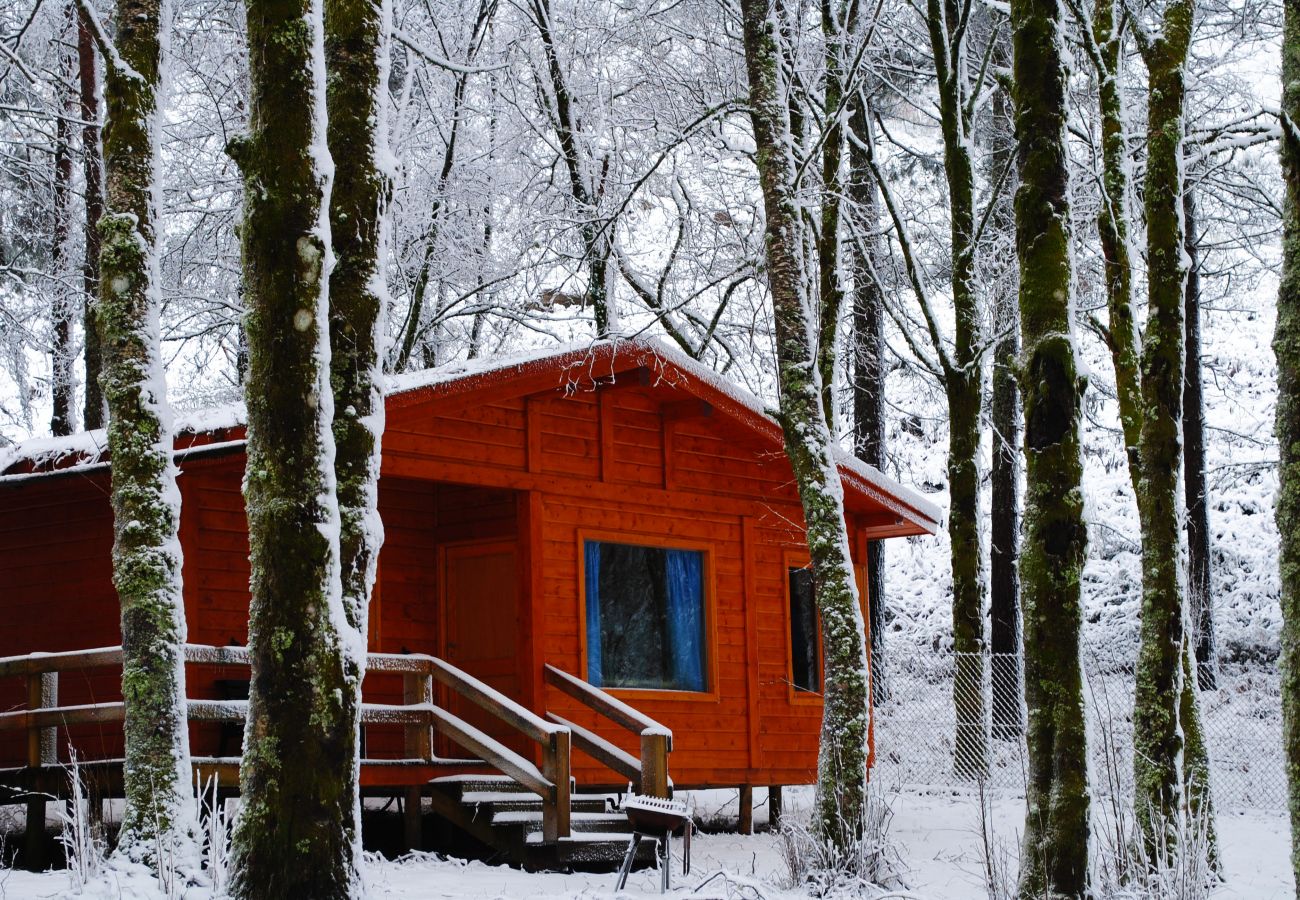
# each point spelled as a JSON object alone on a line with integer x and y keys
{"x": 579, "y": 822}
{"x": 501, "y": 802}
{"x": 493, "y": 784}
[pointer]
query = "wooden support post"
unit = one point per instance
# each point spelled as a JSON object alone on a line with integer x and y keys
{"x": 557, "y": 808}
{"x": 746, "y": 809}
{"x": 42, "y": 750}
{"x": 417, "y": 689}
{"x": 654, "y": 763}
{"x": 774, "y": 806}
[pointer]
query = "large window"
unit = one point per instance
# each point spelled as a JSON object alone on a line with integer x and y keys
{"x": 805, "y": 643}
{"x": 645, "y": 617}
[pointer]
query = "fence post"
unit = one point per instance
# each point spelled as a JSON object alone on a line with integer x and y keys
{"x": 556, "y": 808}
{"x": 654, "y": 763}
{"x": 417, "y": 689}
{"x": 42, "y": 750}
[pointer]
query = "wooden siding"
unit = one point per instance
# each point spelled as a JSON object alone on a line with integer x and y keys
{"x": 543, "y": 470}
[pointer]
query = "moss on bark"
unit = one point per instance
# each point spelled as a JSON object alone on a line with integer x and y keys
{"x": 963, "y": 380}
{"x": 356, "y": 41}
{"x": 146, "y": 502}
{"x": 1166, "y": 728}
{"x": 1054, "y": 858}
{"x": 841, "y": 768}
{"x": 295, "y": 833}
{"x": 1286, "y": 347}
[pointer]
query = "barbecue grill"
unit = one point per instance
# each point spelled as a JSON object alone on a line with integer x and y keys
{"x": 656, "y": 819}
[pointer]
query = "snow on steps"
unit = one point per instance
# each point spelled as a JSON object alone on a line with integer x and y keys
{"x": 508, "y": 819}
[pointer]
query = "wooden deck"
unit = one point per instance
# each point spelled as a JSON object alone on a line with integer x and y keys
{"x": 542, "y": 777}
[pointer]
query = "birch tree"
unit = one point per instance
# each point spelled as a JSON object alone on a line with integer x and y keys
{"x": 159, "y": 816}
{"x": 1054, "y": 856}
{"x": 1286, "y": 346}
{"x": 296, "y": 835}
{"x": 841, "y": 766}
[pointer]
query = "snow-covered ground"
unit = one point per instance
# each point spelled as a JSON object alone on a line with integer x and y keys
{"x": 937, "y": 837}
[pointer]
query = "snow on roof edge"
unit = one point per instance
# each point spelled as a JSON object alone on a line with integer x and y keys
{"x": 91, "y": 445}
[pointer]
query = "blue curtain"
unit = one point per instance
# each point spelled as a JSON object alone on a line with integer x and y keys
{"x": 686, "y": 618}
{"x": 595, "y": 667}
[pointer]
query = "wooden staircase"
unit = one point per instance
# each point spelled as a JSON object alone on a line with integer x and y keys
{"x": 506, "y": 821}
{"x": 520, "y": 811}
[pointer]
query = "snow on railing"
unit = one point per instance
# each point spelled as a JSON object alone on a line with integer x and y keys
{"x": 651, "y": 770}
{"x": 418, "y": 714}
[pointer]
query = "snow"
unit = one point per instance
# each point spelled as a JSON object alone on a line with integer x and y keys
{"x": 936, "y": 836}
{"x": 588, "y": 364}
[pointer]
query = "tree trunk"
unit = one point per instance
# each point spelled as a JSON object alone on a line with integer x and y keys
{"x": 963, "y": 386}
{"x": 837, "y": 25}
{"x": 869, "y": 371}
{"x": 356, "y": 57}
{"x": 1113, "y": 229}
{"x": 159, "y": 818}
{"x": 63, "y": 391}
{"x": 295, "y": 836}
{"x": 1200, "y": 599}
{"x": 1158, "y": 727}
{"x": 92, "y": 173}
{"x": 1286, "y": 347}
{"x": 1054, "y": 858}
{"x": 596, "y": 236}
{"x": 841, "y": 769}
{"x": 1004, "y": 581}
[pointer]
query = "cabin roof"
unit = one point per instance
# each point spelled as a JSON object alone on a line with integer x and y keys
{"x": 572, "y": 368}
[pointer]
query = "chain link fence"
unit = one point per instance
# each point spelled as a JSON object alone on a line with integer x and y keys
{"x": 917, "y": 735}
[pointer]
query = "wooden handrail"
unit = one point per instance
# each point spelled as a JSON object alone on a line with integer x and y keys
{"x": 482, "y": 695}
{"x": 656, "y": 740}
{"x": 610, "y": 707}
{"x": 601, "y": 750}
{"x": 418, "y": 714}
{"x": 54, "y": 717}
{"x": 70, "y": 661}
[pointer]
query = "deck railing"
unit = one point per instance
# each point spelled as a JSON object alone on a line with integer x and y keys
{"x": 650, "y": 772}
{"x": 419, "y": 715}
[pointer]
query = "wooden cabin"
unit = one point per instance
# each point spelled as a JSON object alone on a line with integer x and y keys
{"x": 615, "y": 511}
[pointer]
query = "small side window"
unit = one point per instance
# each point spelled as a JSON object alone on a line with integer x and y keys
{"x": 805, "y": 642}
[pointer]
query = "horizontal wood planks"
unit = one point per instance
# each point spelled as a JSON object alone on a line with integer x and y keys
{"x": 628, "y": 458}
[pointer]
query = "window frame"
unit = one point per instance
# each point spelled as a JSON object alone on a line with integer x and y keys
{"x": 707, "y": 585}
{"x": 799, "y": 559}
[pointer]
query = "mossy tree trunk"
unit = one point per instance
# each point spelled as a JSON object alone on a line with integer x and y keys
{"x": 1113, "y": 219}
{"x": 295, "y": 835}
{"x": 1286, "y": 347}
{"x": 1054, "y": 858}
{"x": 1007, "y": 696}
{"x": 870, "y": 367}
{"x": 841, "y": 767}
{"x": 963, "y": 381}
{"x": 159, "y": 814}
{"x": 357, "y": 41}
{"x": 1169, "y": 753}
{"x": 838, "y": 24}
{"x": 1195, "y": 484}
{"x": 92, "y": 173}
{"x": 1163, "y": 718}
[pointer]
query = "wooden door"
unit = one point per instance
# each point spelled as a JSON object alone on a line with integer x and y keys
{"x": 480, "y": 590}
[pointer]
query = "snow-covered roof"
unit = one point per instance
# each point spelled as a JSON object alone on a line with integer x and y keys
{"x": 572, "y": 364}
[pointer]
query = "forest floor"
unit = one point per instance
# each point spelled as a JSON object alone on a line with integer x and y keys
{"x": 935, "y": 835}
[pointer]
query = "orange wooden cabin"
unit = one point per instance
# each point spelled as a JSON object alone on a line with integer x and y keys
{"x": 617, "y": 511}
